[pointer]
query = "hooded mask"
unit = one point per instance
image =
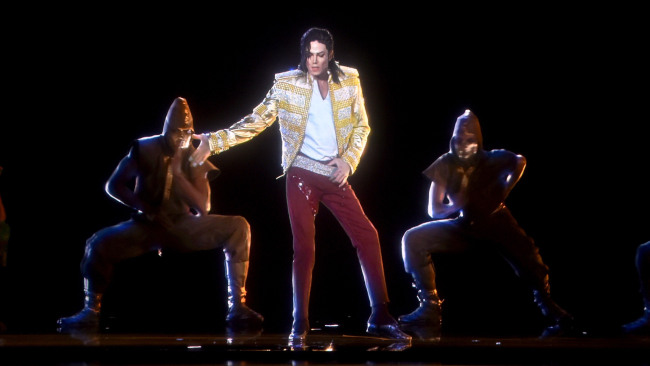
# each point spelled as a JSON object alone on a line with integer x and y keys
{"x": 178, "y": 117}
{"x": 467, "y": 123}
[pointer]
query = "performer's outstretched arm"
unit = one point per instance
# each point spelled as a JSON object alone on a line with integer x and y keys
{"x": 241, "y": 131}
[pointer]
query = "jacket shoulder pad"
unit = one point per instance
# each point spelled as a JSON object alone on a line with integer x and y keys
{"x": 289, "y": 74}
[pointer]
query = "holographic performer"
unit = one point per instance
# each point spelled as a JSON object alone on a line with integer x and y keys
{"x": 466, "y": 201}
{"x": 642, "y": 262}
{"x": 171, "y": 200}
{"x": 324, "y": 128}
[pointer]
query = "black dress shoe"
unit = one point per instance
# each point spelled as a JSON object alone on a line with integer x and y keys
{"x": 391, "y": 331}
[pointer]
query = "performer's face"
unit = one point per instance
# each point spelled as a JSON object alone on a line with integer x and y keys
{"x": 466, "y": 145}
{"x": 318, "y": 59}
{"x": 179, "y": 137}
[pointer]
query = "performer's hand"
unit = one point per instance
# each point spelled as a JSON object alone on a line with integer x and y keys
{"x": 341, "y": 173}
{"x": 202, "y": 151}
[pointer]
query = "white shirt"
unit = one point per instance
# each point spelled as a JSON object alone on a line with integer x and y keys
{"x": 320, "y": 134}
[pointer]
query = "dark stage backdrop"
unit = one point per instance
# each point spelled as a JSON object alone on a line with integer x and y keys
{"x": 565, "y": 87}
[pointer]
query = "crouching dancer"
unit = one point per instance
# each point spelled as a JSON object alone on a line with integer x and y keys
{"x": 466, "y": 201}
{"x": 171, "y": 200}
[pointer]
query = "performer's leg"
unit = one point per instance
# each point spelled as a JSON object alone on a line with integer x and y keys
{"x": 239, "y": 314}
{"x": 523, "y": 255}
{"x": 232, "y": 233}
{"x": 642, "y": 262}
{"x": 418, "y": 244}
{"x": 104, "y": 249}
{"x": 345, "y": 206}
{"x": 302, "y": 205}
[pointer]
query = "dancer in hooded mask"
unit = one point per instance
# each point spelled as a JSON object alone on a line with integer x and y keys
{"x": 466, "y": 201}
{"x": 171, "y": 203}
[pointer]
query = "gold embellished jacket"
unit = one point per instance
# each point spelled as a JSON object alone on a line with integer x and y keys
{"x": 288, "y": 100}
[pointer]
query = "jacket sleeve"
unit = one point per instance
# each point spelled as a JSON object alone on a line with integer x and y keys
{"x": 248, "y": 127}
{"x": 360, "y": 130}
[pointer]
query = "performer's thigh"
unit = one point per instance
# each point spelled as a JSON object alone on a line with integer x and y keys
{"x": 303, "y": 199}
{"x": 125, "y": 240}
{"x": 230, "y": 232}
{"x": 441, "y": 236}
{"x": 345, "y": 206}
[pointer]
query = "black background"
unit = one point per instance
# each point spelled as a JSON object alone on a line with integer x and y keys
{"x": 565, "y": 87}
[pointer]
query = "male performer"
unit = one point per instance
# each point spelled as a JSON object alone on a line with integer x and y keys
{"x": 324, "y": 129}
{"x": 171, "y": 200}
{"x": 466, "y": 201}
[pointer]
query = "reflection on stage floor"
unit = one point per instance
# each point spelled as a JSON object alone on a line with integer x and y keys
{"x": 323, "y": 346}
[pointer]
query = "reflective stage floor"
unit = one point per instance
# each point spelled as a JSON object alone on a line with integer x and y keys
{"x": 323, "y": 347}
